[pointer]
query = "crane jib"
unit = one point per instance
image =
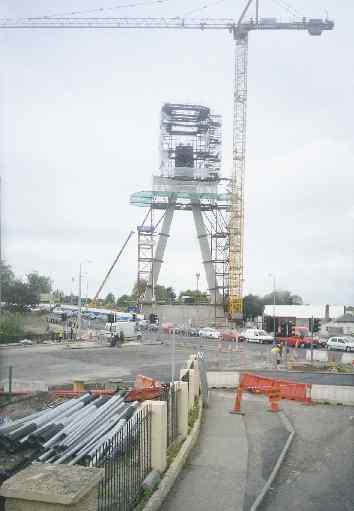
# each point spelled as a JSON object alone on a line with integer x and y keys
{"x": 169, "y": 23}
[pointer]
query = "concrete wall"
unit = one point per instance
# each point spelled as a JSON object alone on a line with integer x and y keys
{"x": 188, "y": 315}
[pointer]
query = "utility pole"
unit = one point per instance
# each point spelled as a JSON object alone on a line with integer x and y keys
{"x": 79, "y": 304}
{"x": 274, "y": 298}
{"x": 79, "y": 301}
{"x": 197, "y": 275}
{"x": 1, "y": 262}
{"x": 312, "y": 324}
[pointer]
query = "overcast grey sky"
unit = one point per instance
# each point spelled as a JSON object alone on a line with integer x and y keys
{"x": 79, "y": 129}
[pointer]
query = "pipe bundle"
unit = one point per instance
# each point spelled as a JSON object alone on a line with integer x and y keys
{"x": 72, "y": 432}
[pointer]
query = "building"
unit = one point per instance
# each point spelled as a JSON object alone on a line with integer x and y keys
{"x": 343, "y": 325}
{"x": 302, "y": 314}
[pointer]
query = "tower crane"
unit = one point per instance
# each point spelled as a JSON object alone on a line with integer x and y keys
{"x": 239, "y": 28}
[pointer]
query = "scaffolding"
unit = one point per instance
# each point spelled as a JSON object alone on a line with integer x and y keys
{"x": 189, "y": 180}
{"x": 190, "y": 138}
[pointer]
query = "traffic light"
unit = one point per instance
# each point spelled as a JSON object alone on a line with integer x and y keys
{"x": 110, "y": 318}
{"x": 291, "y": 328}
{"x": 267, "y": 323}
{"x": 311, "y": 324}
{"x": 154, "y": 319}
{"x": 316, "y": 325}
{"x": 283, "y": 329}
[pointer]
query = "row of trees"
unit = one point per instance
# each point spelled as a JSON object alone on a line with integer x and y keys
{"x": 163, "y": 294}
{"x": 253, "y": 305}
{"x": 18, "y": 293}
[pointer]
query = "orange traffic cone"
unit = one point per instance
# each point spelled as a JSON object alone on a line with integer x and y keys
{"x": 237, "y": 404}
{"x": 274, "y": 407}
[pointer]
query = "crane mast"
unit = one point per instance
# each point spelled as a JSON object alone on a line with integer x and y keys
{"x": 240, "y": 29}
{"x": 236, "y": 217}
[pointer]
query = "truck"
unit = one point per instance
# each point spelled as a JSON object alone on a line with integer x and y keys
{"x": 116, "y": 332}
{"x": 300, "y": 339}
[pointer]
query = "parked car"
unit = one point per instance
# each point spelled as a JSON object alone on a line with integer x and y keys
{"x": 340, "y": 343}
{"x": 209, "y": 333}
{"x": 192, "y": 332}
{"x": 255, "y": 335}
{"x": 323, "y": 342}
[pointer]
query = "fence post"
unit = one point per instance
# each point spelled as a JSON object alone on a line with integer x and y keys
{"x": 10, "y": 379}
{"x": 52, "y": 488}
{"x": 192, "y": 387}
{"x": 182, "y": 409}
{"x": 158, "y": 435}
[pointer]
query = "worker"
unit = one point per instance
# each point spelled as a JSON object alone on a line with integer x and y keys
{"x": 276, "y": 355}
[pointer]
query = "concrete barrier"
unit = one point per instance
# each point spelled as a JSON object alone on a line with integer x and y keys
{"x": 334, "y": 394}
{"x": 347, "y": 358}
{"x": 223, "y": 379}
{"x": 318, "y": 355}
{"x": 17, "y": 385}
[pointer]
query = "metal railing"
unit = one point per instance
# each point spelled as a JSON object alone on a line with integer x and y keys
{"x": 126, "y": 459}
{"x": 169, "y": 395}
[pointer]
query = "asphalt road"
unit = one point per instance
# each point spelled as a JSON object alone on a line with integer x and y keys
{"x": 317, "y": 474}
{"x": 56, "y": 364}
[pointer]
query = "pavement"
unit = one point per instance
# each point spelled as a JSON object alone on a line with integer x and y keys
{"x": 214, "y": 477}
{"x": 235, "y": 456}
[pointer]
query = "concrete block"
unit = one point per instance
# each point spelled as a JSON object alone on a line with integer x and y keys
{"x": 318, "y": 355}
{"x": 347, "y": 358}
{"x": 223, "y": 379}
{"x": 158, "y": 435}
{"x": 333, "y": 394}
{"x": 53, "y": 488}
{"x": 182, "y": 408}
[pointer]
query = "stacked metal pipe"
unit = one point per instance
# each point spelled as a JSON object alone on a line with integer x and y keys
{"x": 70, "y": 433}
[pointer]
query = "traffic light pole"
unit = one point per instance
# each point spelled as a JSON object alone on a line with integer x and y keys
{"x": 312, "y": 326}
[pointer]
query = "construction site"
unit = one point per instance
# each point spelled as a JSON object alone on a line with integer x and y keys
{"x": 181, "y": 406}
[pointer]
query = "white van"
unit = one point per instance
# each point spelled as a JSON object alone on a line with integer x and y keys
{"x": 114, "y": 330}
{"x": 255, "y": 335}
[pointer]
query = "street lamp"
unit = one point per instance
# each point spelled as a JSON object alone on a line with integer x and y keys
{"x": 79, "y": 312}
{"x": 197, "y": 277}
{"x": 274, "y": 294}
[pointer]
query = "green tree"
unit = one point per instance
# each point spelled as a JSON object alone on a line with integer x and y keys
{"x": 59, "y": 296}
{"x": 39, "y": 283}
{"x": 124, "y": 301}
{"x": 164, "y": 294}
{"x": 252, "y": 306}
{"x": 7, "y": 279}
{"x": 196, "y": 296}
{"x": 282, "y": 298}
{"x": 21, "y": 294}
{"x": 170, "y": 294}
{"x": 139, "y": 288}
{"x": 10, "y": 324}
{"x": 110, "y": 299}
